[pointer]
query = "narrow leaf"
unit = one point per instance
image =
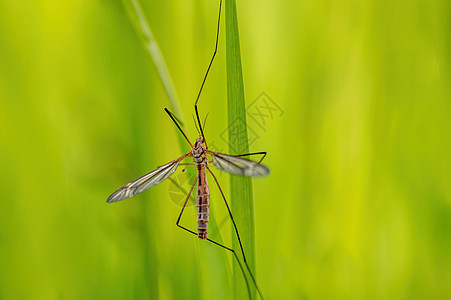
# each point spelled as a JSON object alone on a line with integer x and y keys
{"x": 241, "y": 187}
{"x": 143, "y": 29}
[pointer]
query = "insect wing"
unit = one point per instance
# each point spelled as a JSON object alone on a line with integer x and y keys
{"x": 237, "y": 165}
{"x": 145, "y": 182}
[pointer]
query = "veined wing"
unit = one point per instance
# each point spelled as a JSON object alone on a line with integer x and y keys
{"x": 237, "y": 165}
{"x": 146, "y": 181}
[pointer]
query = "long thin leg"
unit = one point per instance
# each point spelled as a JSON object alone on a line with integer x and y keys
{"x": 206, "y": 74}
{"x": 174, "y": 119}
{"x": 184, "y": 204}
{"x": 210, "y": 240}
{"x": 231, "y": 250}
{"x": 237, "y": 234}
{"x": 254, "y": 153}
{"x": 214, "y": 54}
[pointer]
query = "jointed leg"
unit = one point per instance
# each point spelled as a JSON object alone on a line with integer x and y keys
{"x": 229, "y": 249}
{"x": 184, "y": 205}
{"x": 206, "y": 74}
{"x": 174, "y": 119}
{"x": 236, "y": 231}
{"x": 214, "y": 242}
{"x": 254, "y": 153}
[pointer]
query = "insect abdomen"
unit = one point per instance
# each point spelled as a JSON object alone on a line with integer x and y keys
{"x": 203, "y": 202}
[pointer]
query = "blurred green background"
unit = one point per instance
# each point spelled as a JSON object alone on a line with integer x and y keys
{"x": 358, "y": 204}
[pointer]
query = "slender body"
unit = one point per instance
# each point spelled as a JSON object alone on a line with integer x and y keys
{"x": 203, "y": 192}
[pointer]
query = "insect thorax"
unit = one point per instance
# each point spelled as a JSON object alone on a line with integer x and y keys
{"x": 198, "y": 151}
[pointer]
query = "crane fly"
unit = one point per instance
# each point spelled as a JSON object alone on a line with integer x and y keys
{"x": 227, "y": 163}
{"x": 233, "y": 164}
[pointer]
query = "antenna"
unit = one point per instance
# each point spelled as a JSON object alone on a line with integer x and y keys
{"x": 205, "y": 120}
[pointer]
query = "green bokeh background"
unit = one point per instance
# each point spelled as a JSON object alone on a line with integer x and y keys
{"x": 358, "y": 204}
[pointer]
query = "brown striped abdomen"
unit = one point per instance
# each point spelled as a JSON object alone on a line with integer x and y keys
{"x": 202, "y": 202}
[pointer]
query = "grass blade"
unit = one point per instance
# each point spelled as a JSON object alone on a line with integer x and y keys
{"x": 142, "y": 27}
{"x": 240, "y": 186}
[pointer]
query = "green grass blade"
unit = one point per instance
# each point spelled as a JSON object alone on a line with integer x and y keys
{"x": 142, "y": 27}
{"x": 241, "y": 187}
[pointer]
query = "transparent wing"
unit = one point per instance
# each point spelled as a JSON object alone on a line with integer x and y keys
{"x": 145, "y": 182}
{"x": 237, "y": 165}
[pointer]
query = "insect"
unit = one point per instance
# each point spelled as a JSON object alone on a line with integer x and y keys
{"x": 233, "y": 164}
